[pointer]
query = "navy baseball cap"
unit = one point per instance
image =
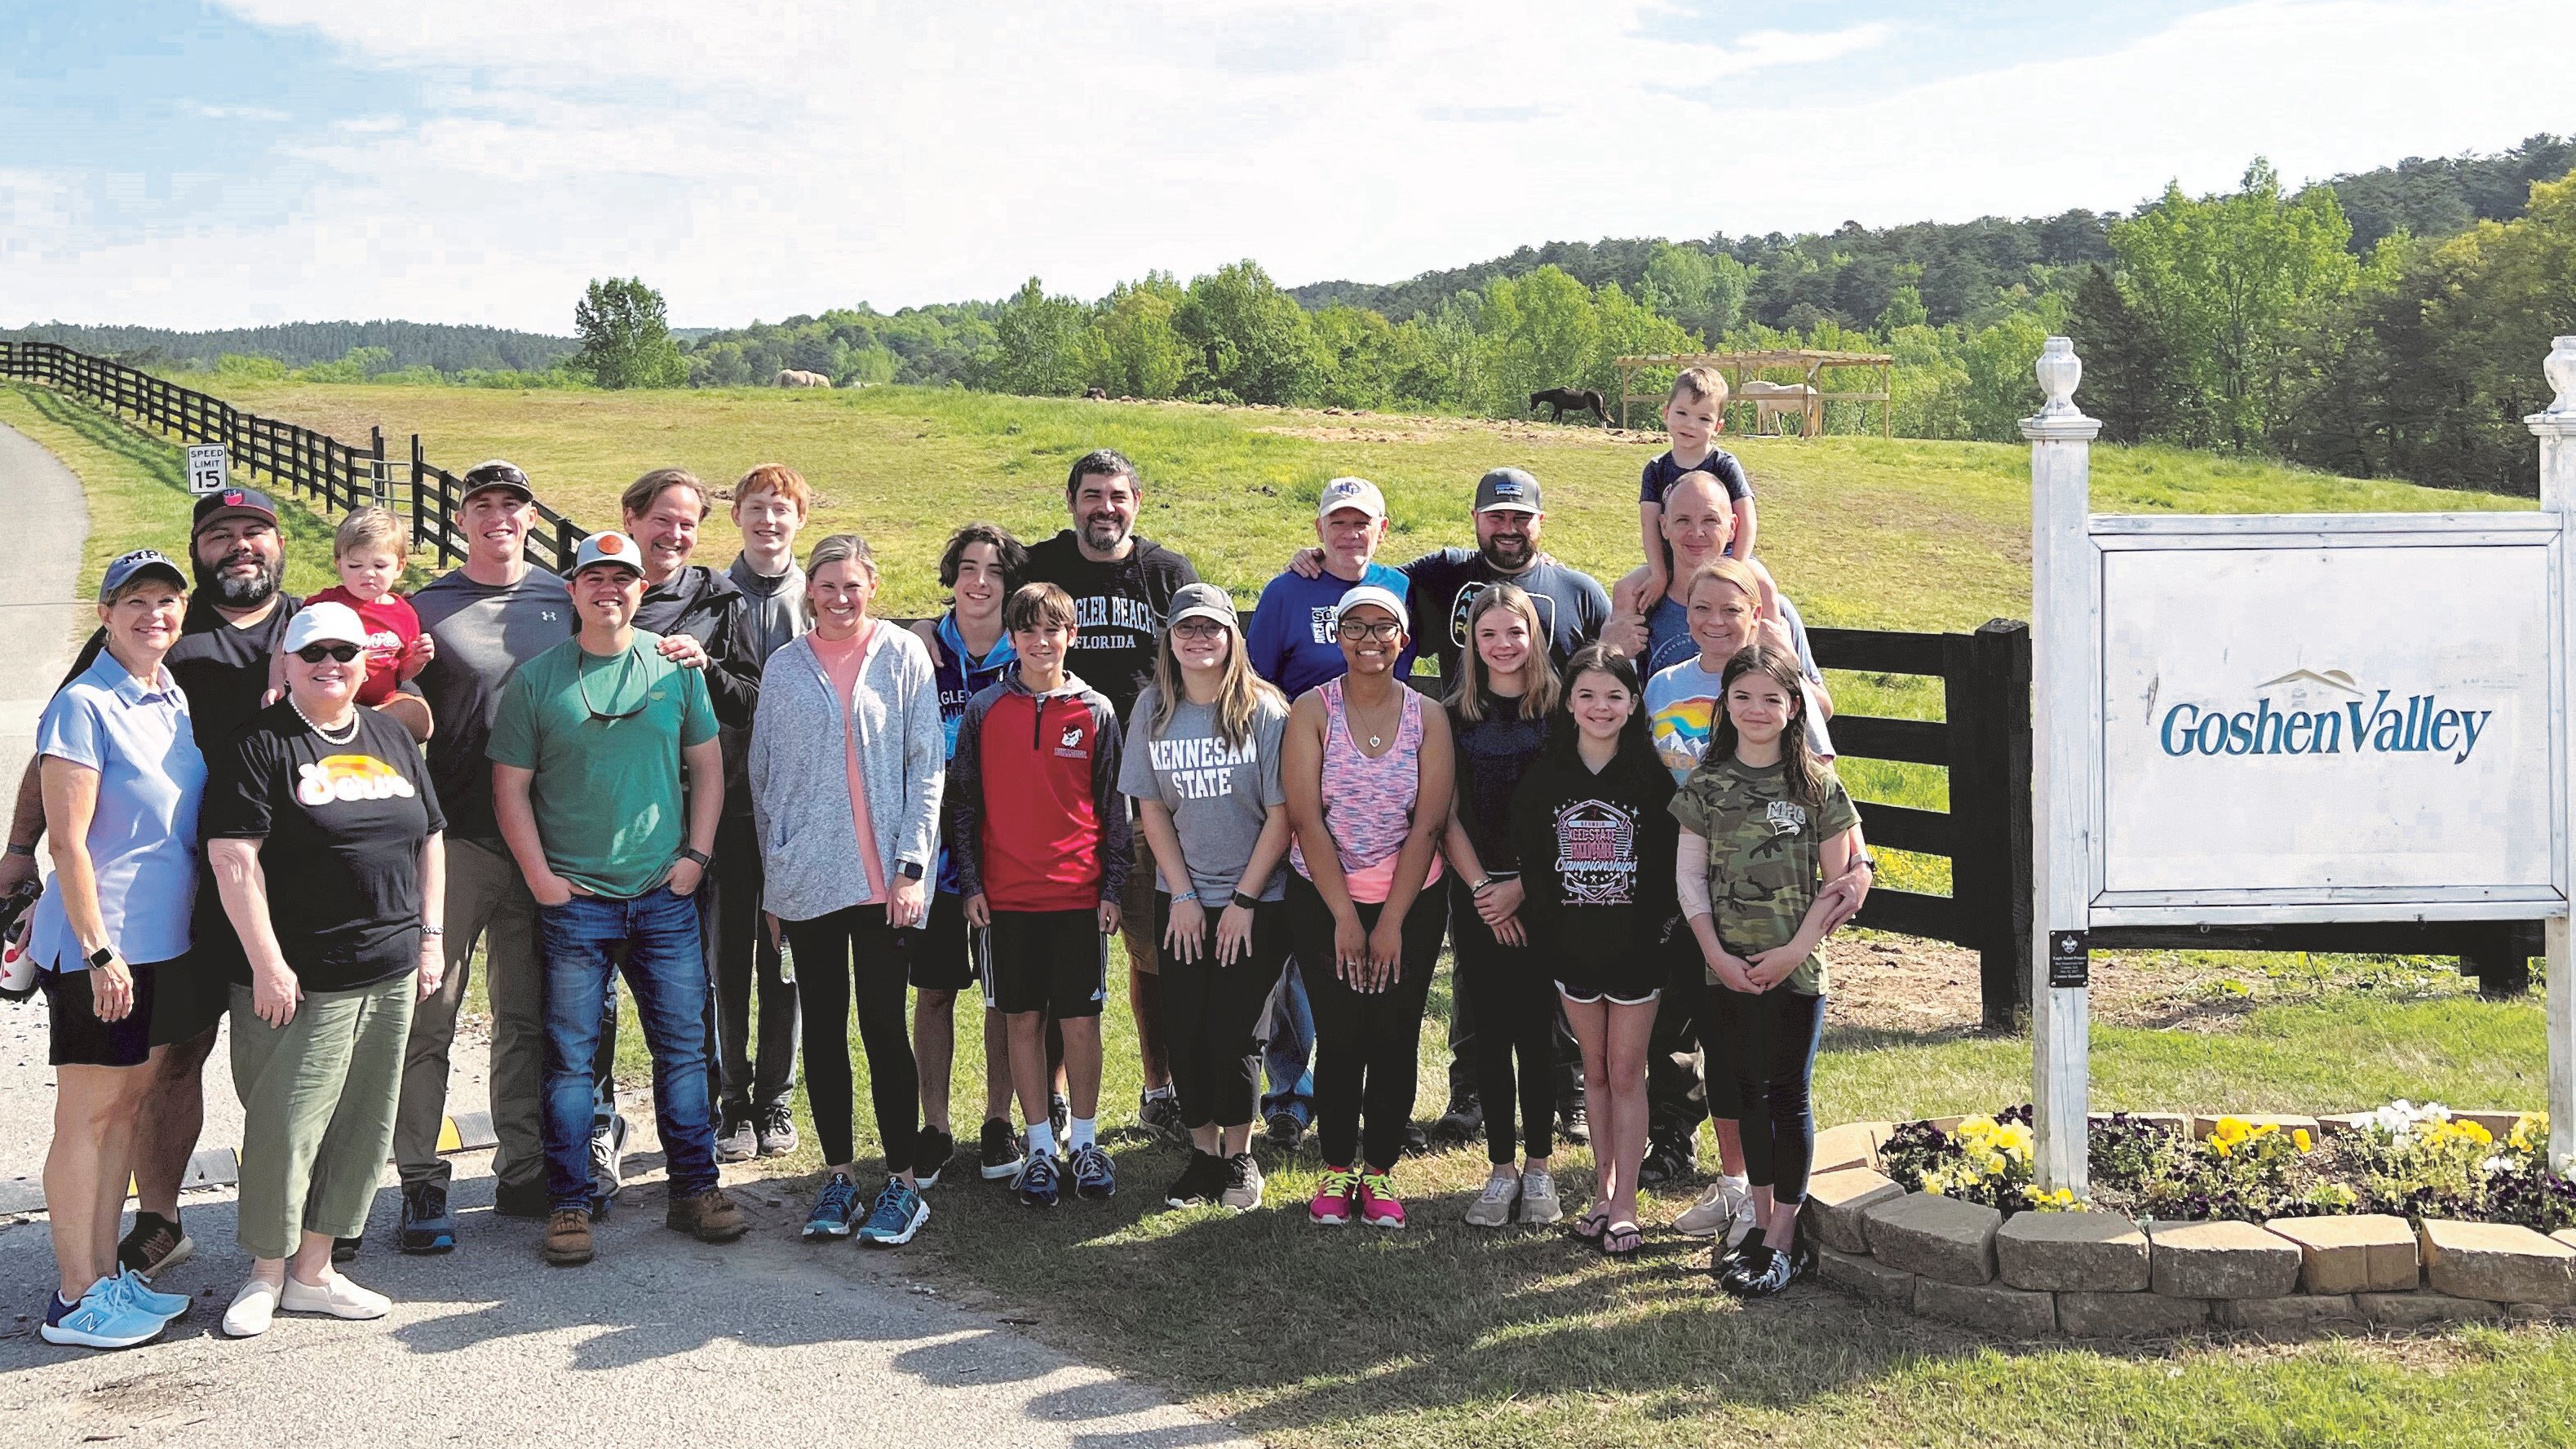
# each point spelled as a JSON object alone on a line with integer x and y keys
{"x": 214, "y": 508}
{"x": 125, "y": 568}
{"x": 1507, "y": 490}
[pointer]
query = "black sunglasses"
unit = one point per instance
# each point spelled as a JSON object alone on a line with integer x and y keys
{"x": 316, "y": 653}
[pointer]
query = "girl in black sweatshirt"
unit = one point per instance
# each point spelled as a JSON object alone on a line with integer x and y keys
{"x": 1596, "y": 842}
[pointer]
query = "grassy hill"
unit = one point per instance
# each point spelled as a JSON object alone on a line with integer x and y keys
{"x": 1863, "y": 532}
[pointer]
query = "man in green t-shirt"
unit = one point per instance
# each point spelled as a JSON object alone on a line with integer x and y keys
{"x": 588, "y": 750}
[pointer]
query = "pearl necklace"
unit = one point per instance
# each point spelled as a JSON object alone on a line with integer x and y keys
{"x": 327, "y": 737}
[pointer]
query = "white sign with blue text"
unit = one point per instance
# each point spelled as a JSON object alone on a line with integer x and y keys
{"x": 2329, "y": 717}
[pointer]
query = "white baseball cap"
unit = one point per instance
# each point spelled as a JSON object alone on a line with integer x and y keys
{"x": 1384, "y": 598}
{"x": 1357, "y": 493}
{"x": 324, "y": 623}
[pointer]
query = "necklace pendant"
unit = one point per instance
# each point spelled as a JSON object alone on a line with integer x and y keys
{"x": 1375, "y": 742}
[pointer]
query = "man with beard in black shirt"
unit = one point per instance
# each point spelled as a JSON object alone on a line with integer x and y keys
{"x": 1121, "y": 585}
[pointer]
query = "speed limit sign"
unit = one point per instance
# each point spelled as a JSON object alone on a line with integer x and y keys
{"x": 206, "y": 468}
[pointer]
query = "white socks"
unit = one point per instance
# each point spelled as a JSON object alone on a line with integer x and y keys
{"x": 1082, "y": 1133}
{"x": 1041, "y": 1138}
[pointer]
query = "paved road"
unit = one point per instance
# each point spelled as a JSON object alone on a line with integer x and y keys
{"x": 662, "y": 1341}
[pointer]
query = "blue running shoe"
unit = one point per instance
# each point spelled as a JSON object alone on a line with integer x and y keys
{"x": 899, "y": 1214}
{"x": 103, "y": 1318}
{"x": 1093, "y": 1174}
{"x": 138, "y": 1291}
{"x": 832, "y": 1208}
{"x": 1037, "y": 1182}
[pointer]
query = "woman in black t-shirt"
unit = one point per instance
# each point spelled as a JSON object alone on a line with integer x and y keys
{"x": 331, "y": 803}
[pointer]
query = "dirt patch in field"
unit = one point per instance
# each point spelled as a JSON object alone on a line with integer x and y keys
{"x": 1372, "y": 428}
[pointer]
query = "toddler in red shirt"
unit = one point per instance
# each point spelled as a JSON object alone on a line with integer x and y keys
{"x": 368, "y": 551}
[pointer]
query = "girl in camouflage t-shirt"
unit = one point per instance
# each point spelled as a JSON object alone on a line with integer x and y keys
{"x": 1764, "y": 825}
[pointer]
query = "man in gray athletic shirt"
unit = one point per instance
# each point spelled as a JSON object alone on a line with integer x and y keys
{"x": 488, "y": 616}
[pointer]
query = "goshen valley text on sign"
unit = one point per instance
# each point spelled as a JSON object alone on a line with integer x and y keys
{"x": 2422, "y": 725}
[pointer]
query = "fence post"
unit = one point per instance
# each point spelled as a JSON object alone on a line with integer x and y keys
{"x": 2063, "y": 669}
{"x": 1986, "y": 680}
{"x": 2555, "y": 427}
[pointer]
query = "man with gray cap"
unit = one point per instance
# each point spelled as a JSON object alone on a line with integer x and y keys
{"x": 490, "y": 614}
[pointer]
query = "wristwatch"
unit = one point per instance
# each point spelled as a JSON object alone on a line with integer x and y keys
{"x": 911, "y": 870}
{"x": 99, "y": 958}
{"x": 1246, "y": 899}
{"x": 701, "y": 857}
{"x": 28, "y": 851}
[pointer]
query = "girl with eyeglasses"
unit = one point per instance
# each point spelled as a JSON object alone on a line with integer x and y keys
{"x": 1369, "y": 776}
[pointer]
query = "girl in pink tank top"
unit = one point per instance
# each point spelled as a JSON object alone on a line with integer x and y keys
{"x": 1368, "y": 774}
{"x": 1368, "y": 802}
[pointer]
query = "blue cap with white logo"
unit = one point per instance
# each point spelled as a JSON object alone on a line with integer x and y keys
{"x": 125, "y": 568}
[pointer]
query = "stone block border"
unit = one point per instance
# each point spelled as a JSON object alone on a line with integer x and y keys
{"x": 2090, "y": 1274}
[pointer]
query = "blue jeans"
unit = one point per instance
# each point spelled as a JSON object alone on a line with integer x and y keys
{"x": 667, "y": 971}
{"x": 1288, "y": 1053}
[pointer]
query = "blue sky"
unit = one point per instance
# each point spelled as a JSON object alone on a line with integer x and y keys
{"x": 209, "y": 164}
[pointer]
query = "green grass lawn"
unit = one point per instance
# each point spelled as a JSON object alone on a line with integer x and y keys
{"x": 1442, "y": 1335}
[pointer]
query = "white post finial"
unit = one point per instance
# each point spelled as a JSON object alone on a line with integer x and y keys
{"x": 2560, "y": 368}
{"x": 2060, "y": 371}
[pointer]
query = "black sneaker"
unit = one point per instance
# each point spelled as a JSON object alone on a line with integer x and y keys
{"x": 1464, "y": 1120}
{"x": 1723, "y": 1264}
{"x": 777, "y": 1135}
{"x": 1162, "y": 1116}
{"x": 155, "y": 1243}
{"x": 1667, "y": 1162}
{"x": 1573, "y": 1123}
{"x": 1060, "y": 1116}
{"x": 522, "y": 1199}
{"x": 1750, "y": 1265}
{"x": 1764, "y": 1272}
{"x": 1285, "y": 1132}
{"x": 345, "y": 1250}
{"x": 1415, "y": 1140}
{"x": 931, "y": 1151}
{"x": 1000, "y": 1151}
{"x": 1199, "y": 1182}
{"x": 427, "y": 1226}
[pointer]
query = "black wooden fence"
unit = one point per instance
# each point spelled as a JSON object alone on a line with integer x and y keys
{"x": 1984, "y": 742}
{"x": 335, "y": 475}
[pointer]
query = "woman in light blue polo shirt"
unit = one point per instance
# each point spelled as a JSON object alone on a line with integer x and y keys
{"x": 122, "y": 779}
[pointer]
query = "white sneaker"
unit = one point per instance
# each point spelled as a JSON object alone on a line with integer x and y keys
{"x": 1727, "y": 1208}
{"x": 252, "y": 1308}
{"x": 1538, "y": 1197}
{"x": 1493, "y": 1206}
{"x": 336, "y": 1296}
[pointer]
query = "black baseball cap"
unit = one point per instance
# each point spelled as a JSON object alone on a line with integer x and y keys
{"x": 497, "y": 473}
{"x": 1507, "y": 490}
{"x": 214, "y": 508}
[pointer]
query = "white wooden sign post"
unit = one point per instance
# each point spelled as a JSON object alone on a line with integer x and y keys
{"x": 2282, "y": 718}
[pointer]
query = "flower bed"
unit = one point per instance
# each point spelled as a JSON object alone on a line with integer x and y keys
{"x": 2411, "y": 1161}
{"x": 2399, "y": 1217}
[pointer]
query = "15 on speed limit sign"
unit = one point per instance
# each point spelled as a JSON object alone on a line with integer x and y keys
{"x": 206, "y": 468}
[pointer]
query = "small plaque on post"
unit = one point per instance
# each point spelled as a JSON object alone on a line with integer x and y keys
{"x": 2070, "y": 958}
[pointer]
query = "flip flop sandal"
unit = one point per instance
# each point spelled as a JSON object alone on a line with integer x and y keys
{"x": 1591, "y": 1226}
{"x": 1618, "y": 1233}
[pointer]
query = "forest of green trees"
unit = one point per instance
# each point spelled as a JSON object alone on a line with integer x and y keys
{"x": 2386, "y": 323}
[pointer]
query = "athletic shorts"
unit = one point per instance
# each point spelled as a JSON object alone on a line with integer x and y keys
{"x": 194, "y": 992}
{"x": 941, "y": 958}
{"x": 1136, "y": 908}
{"x": 1590, "y": 969}
{"x": 80, "y": 1039}
{"x": 1051, "y": 961}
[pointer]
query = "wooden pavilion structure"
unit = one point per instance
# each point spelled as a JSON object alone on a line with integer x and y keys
{"x": 1747, "y": 366}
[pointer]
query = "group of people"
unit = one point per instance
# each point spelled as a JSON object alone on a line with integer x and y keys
{"x": 1617, "y": 804}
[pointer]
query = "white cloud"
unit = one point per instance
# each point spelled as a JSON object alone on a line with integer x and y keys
{"x": 765, "y": 159}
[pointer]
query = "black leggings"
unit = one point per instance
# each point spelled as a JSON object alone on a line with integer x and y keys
{"x": 851, "y": 954}
{"x": 1516, "y": 1015}
{"x": 1772, "y": 1037}
{"x": 1210, "y": 1014}
{"x": 1368, "y": 1045}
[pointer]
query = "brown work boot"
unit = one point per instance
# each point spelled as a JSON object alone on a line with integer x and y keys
{"x": 568, "y": 1237}
{"x": 710, "y": 1217}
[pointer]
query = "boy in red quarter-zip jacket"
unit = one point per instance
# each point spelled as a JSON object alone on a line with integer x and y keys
{"x": 1041, "y": 845}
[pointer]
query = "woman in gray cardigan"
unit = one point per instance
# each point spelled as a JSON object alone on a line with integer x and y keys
{"x": 847, "y": 836}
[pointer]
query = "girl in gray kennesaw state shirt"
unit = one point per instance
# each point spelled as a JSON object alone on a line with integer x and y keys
{"x": 1202, "y": 763}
